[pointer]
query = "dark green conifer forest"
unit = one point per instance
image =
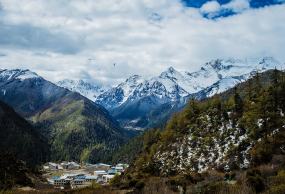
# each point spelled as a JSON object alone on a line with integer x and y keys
{"x": 238, "y": 136}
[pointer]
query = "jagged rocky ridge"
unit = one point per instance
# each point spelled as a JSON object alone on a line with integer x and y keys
{"x": 88, "y": 90}
{"x": 137, "y": 99}
{"x": 148, "y": 102}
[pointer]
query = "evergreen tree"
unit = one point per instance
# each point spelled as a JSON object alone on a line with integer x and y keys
{"x": 282, "y": 91}
{"x": 238, "y": 105}
{"x": 173, "y": 123}
{"x": 257, "y": 82}
{"x": 157, "y": 134}
{"x": 192, "y": 109}
{"x": 148, "y": 138}
{"x": 167, "y": 137}
{"x": 249, "y": 88}
{"x": 275, "y": 81}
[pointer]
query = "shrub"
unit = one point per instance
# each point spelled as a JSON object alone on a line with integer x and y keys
{"x": 124, "y": 185}
{"x": 233, "y": 175}
{"x": 280, "y": 189}
{"x": 115, "y": 180}
{"x": 128, "y": 176}
{"x": 253, "y": 172}
{"x": 255, "y": 180}
{"x": 268, "y": 170}
{"x": 188, "y": 177}
{"x": 227, "y": 176}
{"x": 172, "y": 182}
{"x": 140, "y": 185}
{"x": 280, "y": 178}
{"x": 214, "y": 175}
{"x": 133, "y": 182}
{"x": 197, "y": 177}
{"x": 213, "y": 188}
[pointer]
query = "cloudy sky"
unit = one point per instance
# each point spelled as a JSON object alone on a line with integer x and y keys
{"x": 107, "y": 41}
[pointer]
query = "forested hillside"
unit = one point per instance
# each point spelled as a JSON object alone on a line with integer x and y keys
{"x": 20, "y": 138}
{"x": 75, "y": 127}
{"x": 16, "y": 172}
{"x": 211, "y": 141}
{"x": 130, "y": 150}
{"x": 127, "y": 152}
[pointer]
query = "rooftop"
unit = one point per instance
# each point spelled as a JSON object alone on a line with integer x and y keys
{"x": 100, "y": 171}
{"x": 112, "y": 172}
{"x": 91, "y": 177}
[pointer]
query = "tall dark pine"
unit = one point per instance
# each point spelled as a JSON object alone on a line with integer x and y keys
{"x": 238, "y": 106}
{"x": 249, "y": 88}
{"x": 275, "y": 81}
{"x": 257, "y": 82}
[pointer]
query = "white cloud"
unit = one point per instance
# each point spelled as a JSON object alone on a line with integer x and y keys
{"x": 56, "y": 38}
{"x": 236, "y": 6}
{"x": 210, "y": 7}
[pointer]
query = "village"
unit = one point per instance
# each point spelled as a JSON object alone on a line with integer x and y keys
{"x": 66, "y": 175}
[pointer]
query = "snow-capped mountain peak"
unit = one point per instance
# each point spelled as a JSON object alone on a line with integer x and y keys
{"x": 86, "y": 89}
{"x": 17, "y": 74}
{"x": 214, "y": 77}
{"x": 139, "y": 95}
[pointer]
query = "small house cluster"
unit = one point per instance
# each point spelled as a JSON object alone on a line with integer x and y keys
{"x": 84, "y": 178}
{"x": 61, "y": 166}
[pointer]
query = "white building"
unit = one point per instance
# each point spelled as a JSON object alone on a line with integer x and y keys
{"x": 107, "y": 178}
{"x": 118, "y": 168}
{"x": 100, "y": 173}
{"x": 122, "y": 165}
{"x": 101, "y": 165}
{"x": 90, "y": 178}
{"x": 77, "y": 182}
{"x": 68, "y": 176}
{"x": 61, "y": 182}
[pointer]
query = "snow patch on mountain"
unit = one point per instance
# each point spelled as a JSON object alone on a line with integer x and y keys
{"x": 215, "y": 77}
{"x": 17, "y": 74}
{"x": 86, "y": 89}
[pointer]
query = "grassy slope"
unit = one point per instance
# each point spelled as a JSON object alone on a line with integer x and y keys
{"x": 78, "y": 130}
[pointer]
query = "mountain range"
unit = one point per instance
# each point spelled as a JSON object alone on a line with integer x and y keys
{"x": 232, "y": 142}
{"x": 78, "y": 128}
{"x": 85, "y": 89}
{"x": 75, "y": 127}
{"x": 138, "y": 100}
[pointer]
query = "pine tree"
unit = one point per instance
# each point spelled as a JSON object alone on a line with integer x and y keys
{"x": 192, "y": 109}
{"x": 275, "y": 81}
{"x": 257, "y": 82}
{"x": 249, "y": 88}
{"x": 148, "y": 138}
{"x": 238, "y": 106}
{"x": 282, "y": 91}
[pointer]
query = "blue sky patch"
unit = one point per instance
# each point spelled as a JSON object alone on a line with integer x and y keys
{"x": 253, "y": 3}
{"x": 224, "y": 11}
